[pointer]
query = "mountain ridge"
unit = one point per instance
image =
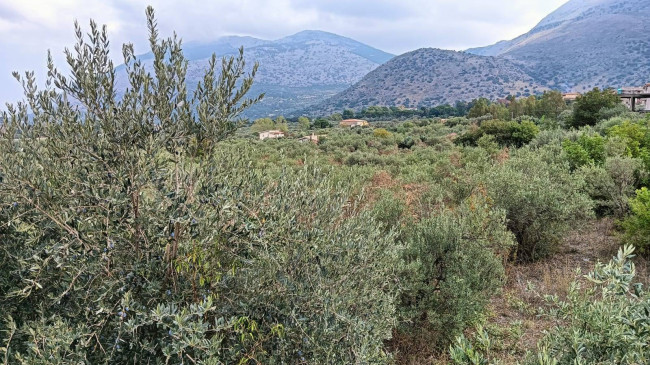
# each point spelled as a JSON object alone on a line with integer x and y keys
{"x": 430, "y": 77}
{"x": 295, "y": 71}
{"x": 582, "y": 45}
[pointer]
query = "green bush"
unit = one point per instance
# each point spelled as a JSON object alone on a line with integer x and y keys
{"x": 587, "y": 108}
{"x": 550, "y": 137}
{"x": 612, "y": 185}
{"x": 131, "y": 234}
{"x": 407, "y": 143}
{"x": 636, "y": 137}
{"x": 588, "y": 149}
{"x": 637, "y": 225}
{"x": 606, "y": 322}
{"x": 453, "y": 266}
{"x": 382, "y": 133}
{"x": 541, "y": 197}
{"x": 618, "y": 110}
{"x": 505, "y": 133}
{"x": 262, "y": 125}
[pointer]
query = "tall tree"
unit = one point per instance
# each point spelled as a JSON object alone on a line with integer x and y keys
{"x": 303, "y": 123}
{"x": 588, "y": 106}
{"x": 551, "y": 104}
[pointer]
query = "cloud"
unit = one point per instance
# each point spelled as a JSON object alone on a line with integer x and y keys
{"x": 9, "y": 15}
{"x": 373, "y": 9}
{"x": 30, "y": 27}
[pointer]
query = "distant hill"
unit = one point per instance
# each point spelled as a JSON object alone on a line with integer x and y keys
{"x": 295, "y": 71}
{"x": 584, "y": 44}
{"x": 430, "y": 77}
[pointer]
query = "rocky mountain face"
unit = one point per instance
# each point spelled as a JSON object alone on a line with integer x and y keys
{"x": 584, "y": 44}
{"x": 430, "y": 77}
{"x": 296, "y": 71}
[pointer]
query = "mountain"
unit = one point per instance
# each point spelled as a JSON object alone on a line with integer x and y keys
{"x": 429, "y": 77}
{"x": 295, "y": 71}
{"x": 584, "y": 44}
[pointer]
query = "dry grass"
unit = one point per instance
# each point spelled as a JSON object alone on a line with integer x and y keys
{"x": 581, "y": 249}
{"x": 410, "y": 194}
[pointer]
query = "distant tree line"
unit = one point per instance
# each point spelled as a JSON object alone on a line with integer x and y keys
{"x": 459, "y": 109}
{"x": 550, "y": 104}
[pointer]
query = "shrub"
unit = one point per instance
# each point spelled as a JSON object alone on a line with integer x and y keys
{"x": 488, "y": 143}
{"x": 303, "y": 123}
{"x": 637, "y": 225}
{"x": 566, "y": 118}
{"x": 444, "y": 298}
{"x": 130, "y": 234}
{"x": 604, "y": 323}
{"x": 382, "y": 133}
{"x": 612, "y": 185}
{"x": 505, "y": 133}
{"x": 389, "y": 211}
{"x": 322, "y": 123}
{"x": 541, "y": 197}
{"x": 549, "y": 137}
{"x": 636, "y": 137}
{"x": 616, "y": 111}
{"x": 406, "y": 143}
{"x": 587, "y": 108}
{"x": 263, "y": 124}
{"x": 588, "y": 149}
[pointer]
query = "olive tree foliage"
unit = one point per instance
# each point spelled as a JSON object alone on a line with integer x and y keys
{"x": 130, "y": 235}
{"x": 637, "y": 224}
{"x": 453, "y": 264}
{"x": 304, "y": 123}
{"x": 612, "y": 185}
{"x": 606, "y": 321}
{"x": 541, "y": 197}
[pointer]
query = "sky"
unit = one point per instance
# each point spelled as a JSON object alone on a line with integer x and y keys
{"x": 28, "y": 28}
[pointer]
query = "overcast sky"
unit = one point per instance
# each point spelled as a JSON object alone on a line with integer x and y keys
{"x": 28, "y": 28}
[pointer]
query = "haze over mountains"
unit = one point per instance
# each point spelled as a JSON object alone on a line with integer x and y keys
{"x": 584, "y": 44}
{"x": 295, "y": 71}
{"x": 581, "y": 45}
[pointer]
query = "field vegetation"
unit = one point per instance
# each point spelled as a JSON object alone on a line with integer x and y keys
{"x": 158, "y": 229}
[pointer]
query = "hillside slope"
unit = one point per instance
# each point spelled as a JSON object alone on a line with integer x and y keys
{"x": 429, "y": 77}
{"x": 295, "y": 71}
{"x": 584, "y": 44}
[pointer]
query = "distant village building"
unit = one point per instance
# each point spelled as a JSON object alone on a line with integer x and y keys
{"x": 313, "y": 139}
{"x": 353, "y": 123}
{"x": 271, "y": 135}
{"x": 570, "y": 96}
{"x": 636, "y": 98}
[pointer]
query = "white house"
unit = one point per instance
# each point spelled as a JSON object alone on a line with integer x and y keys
{"x": 271, "y": 135}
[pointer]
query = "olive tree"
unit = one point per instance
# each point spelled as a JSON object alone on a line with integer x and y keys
{"x": 130, "y": 234}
